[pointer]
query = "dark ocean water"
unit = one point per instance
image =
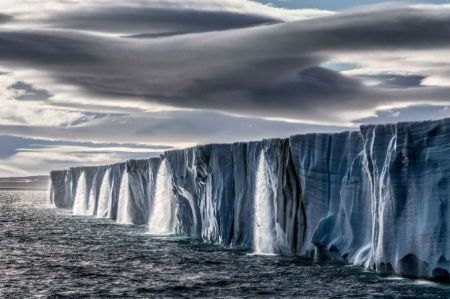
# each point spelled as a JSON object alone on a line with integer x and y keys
{"x": 50, "y": 253}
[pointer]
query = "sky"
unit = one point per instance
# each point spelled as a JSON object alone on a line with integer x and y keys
{"x": 92, "y": 82}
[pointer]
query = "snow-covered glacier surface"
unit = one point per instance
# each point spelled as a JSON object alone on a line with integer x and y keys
{"x": 378, "y": 197}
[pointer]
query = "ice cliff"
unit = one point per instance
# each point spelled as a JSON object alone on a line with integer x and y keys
{"x": 378, "y": 197}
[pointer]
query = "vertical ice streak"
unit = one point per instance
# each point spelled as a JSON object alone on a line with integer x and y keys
{"x": 210, "y": 230}
{"x": 90, "y": 208}
{"x": 371, "y": 170}
{"x": 383, "y": 196}
{"x": 380, "y": 194}
{"x": 104, "y": 197}
{"x": 124, "y": 199}
{"x": 161, "y": 220}
{"x": 193, "y": 204}
{"x": 79, "y": 204}
{"x": 50, "y": 194}
{"x": 263, "y": 242}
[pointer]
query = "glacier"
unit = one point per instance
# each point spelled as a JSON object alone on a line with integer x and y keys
{"x": 378, "y": 197}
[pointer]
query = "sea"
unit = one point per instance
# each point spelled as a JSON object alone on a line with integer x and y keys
{"x": 50, "y": 253}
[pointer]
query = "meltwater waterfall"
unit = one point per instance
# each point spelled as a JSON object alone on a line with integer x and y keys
{"x": 90, "y": 208}
{"x": 378, "y": 197}
{"x": 262, "y": 216}
{"x": 124, "y": 199}
{"x": 81, "y": 196}
{"x": 380, "y": 192}
{"x": 162, "y": 220}
{"x": 104, "y": 197}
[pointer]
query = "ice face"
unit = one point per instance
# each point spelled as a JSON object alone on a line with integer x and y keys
{"x": 377, "y": 197}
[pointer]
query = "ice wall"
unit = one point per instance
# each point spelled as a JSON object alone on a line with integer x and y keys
{"x": 377, "y": 197}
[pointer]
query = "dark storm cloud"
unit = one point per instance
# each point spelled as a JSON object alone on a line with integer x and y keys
{"x": 54, "y": 49}
{"x": 313, "y": 91}
{"x": 153, "y": 22}
{"x": 4, "y": 18}
{"x": 265, "y": 71}
{"x": 30, "y": 93}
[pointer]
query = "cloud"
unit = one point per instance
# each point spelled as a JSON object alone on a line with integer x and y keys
{"x": 50, "y": 11}
{"x": 4, "y": 18}
{"x": 10, "y": 144}
{"x": 394, "y": 80}
{"x": 156, "y": 21}
{"x": 25, "y": 104}
{"x": 238, "y": 71}
{"x": 43, "y": 148}
{"x": 150, "y": 128}
{"x": 414, "y": 113}
{"x": 28, "y": 92}
{"x": 201, "y": 71}
{"x": 21, "y": 156}
{"x": 10, "y": 171}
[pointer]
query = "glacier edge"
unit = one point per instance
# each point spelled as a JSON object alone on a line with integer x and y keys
{"x": 376, "y": 197}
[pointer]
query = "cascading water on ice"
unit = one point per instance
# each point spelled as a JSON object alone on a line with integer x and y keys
{"x": 162, "y": 214}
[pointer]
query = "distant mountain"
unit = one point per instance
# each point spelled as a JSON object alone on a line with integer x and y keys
{"x": 25, "y": 183}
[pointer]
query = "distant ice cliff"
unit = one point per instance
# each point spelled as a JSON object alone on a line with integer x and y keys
{"x": 378, "y": 197}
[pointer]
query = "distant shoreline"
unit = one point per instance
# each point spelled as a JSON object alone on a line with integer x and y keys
{"x": 36, "y": 183}
{"x": 21, "y": 189}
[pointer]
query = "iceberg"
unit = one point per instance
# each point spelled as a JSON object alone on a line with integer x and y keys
{"x": 378, "y": 197}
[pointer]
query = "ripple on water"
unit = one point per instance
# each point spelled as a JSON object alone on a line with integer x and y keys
{"x": 47, "y": 252}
